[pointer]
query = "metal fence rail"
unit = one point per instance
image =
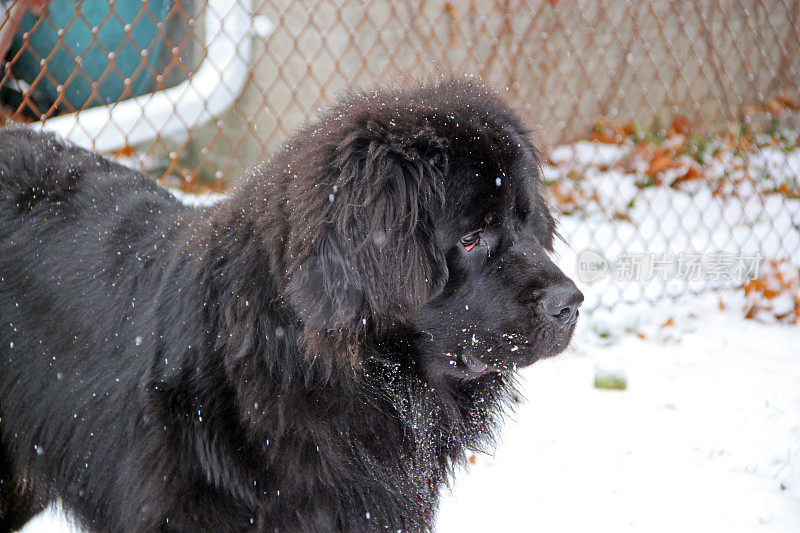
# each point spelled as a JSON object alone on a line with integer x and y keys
{"x": 675, "y": 97}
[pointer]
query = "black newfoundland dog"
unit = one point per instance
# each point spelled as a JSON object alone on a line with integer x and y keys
{"x": 313, "y": 353}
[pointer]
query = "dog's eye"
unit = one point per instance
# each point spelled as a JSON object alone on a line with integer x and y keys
{"x": 471, "y": 240}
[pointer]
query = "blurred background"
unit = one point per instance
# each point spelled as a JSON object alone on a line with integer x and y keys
{"x": 670, "y": 133}
{"x": 666, "y": 119}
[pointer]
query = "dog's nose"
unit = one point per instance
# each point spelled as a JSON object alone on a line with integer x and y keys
{"x": 562, "y": 300}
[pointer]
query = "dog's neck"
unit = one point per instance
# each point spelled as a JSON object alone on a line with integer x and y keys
{"x": 290, "y": 401}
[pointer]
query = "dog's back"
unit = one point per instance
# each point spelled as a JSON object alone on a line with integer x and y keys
{"x": 71, "y": 223}
{"x": 76, "y": 234}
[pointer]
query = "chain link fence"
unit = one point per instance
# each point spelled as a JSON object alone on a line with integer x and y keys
{"x": 671, "y": 129}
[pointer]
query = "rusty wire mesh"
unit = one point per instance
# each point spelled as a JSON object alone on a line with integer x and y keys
{"x": 670, "y": 126}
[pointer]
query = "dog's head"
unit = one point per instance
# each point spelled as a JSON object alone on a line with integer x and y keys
{"x": 420, "y": 211}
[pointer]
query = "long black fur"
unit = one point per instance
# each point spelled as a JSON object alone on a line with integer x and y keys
{"x": 287, "y": 358}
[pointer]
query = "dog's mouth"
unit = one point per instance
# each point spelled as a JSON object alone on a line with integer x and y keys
{"x": 476, "y": 365}
{"x": 507, "y": 352}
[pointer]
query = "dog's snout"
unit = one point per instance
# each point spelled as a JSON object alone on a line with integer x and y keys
{"x": 562, "y": 300}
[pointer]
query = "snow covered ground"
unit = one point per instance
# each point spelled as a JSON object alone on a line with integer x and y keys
{"x": 731, "y": 213}
{"x": 705, "y": 438}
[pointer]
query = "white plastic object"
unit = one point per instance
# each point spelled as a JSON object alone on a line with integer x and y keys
{"x": 207, "y": 93}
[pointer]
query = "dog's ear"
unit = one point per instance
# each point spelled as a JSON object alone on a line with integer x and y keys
{"x": 376, "y": 257}
{"x": 542, "y": 220}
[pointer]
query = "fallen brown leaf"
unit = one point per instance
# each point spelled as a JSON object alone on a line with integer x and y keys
{"x": 661, "y": 160}
{"x": 789, "y": 103}
{"x": 680, "y": 125}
